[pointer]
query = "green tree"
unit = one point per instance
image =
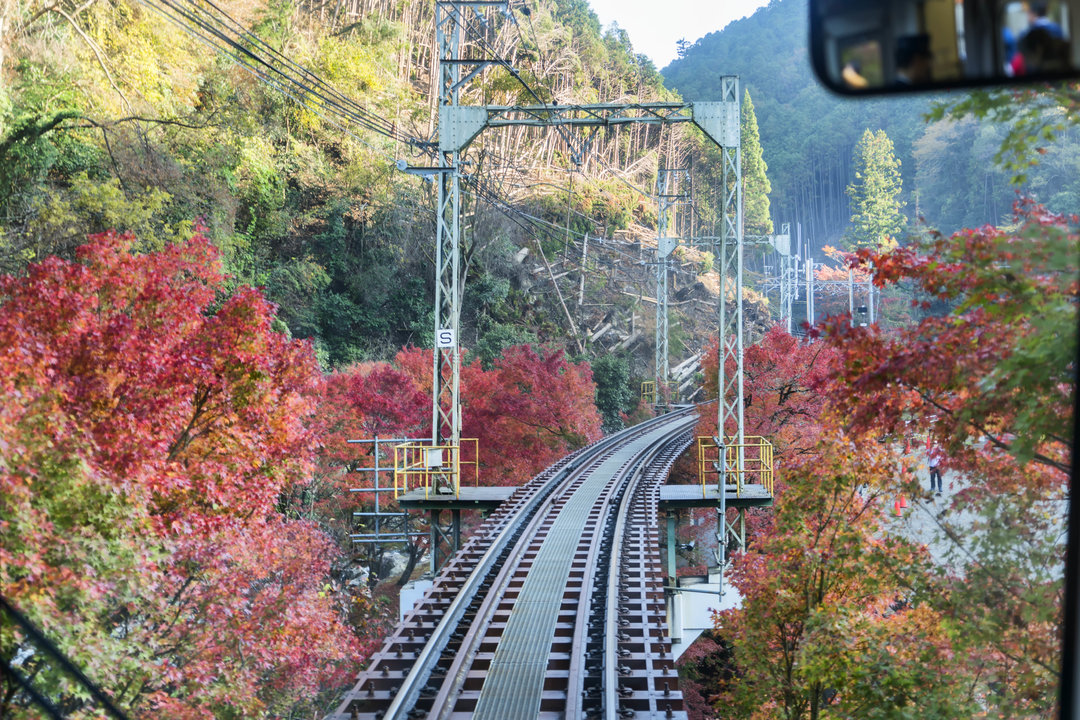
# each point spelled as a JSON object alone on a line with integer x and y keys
{"x": 614, "y": 395}
{"x": 875, "y": 192}
{"x": 756, "y": 186}
{"x": 808, "y": 171}
{"x": 1034, "y": 118}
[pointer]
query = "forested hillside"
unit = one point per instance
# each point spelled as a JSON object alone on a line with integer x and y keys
{"x": 114, "y": 118}
{"x": 809, "y": 135}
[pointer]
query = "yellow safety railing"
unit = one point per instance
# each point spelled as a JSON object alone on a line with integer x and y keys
{"x": 475, "y": 462}
{"x": 435, "y": 468}
{"x": 756, "y": 467}
{"x": 648, "y": 392}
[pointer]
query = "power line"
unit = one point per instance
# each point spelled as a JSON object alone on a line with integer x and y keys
{"x": 524, "y": 220}
{"x": 377, "y": 123}
{"x": 607, "y": 166}
{"x": 484, "y": 45}
{"x": 54, "y": 656}
{"x": 217, "y": 29}
{"x": 481, "y": 191}
{"x": 213, "y": 26}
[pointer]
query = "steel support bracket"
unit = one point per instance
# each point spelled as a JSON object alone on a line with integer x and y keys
{"x": 666, "y": 245}
{"x": 459, "y": 125}
{"x": 781, "y": 243}
{"x": 718, "y": 120}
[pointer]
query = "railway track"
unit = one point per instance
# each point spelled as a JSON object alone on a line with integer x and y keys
{"x": 553, "y": 609}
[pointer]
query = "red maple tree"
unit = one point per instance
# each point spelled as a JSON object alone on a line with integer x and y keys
{"x": 783, "y": 384}
{"x": 150, "y": 426}
{"x": 987, "y": 373}
{"x": 533, "y": 407}
{"x": 845, "y": 614}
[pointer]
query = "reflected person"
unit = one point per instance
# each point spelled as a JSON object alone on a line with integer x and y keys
{"x": 913, "y": 60}
{"x": 853, "y": 77}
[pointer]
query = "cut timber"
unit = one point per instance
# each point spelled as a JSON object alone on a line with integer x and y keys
{"x": 600, "y": 333}
{"x": 689, "y": 361}
{"x": 687, "y": 372}
{"x": 643, "y": 298}
{"x": 628, "y": 341}
{"x": 646, "y": 298}
{"x": 558, "y": 294}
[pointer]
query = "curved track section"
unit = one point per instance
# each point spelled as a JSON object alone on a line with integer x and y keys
{"x": 553, "y": 609}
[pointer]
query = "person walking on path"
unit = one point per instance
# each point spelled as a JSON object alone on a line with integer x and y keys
{"x": 934, "y": 461}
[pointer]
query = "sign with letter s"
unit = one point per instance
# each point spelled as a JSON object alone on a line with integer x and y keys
{"x": 444, "y": 338}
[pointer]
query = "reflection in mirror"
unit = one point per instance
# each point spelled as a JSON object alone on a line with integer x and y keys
{"x": 860, "y": 46}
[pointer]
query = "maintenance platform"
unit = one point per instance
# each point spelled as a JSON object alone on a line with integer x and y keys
{"x": 672, "y": 497}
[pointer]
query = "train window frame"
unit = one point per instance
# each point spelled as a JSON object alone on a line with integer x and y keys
{"x": 828, "y": 72}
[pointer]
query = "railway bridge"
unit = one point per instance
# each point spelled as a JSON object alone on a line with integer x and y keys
{"x": 555, "y": 607}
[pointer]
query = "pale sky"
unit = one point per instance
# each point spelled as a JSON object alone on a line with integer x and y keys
{"x": 655, "y": 25}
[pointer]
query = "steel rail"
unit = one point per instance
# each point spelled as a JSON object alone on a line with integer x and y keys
{"x": 429, "y": 656}
{"x": 409, "y": 693}
{"x": 500, "y": 700}
{"x": 456, "y": 675}
{"x": 382, "y": 681}
{"x": 640, "y": 546}
{"x": 615, "y": 562}
{"x": 628, "y": 485}
{"x": 592, "y": 538}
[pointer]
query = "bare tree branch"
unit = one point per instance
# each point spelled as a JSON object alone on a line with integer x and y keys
{"x": 95, "y": 49}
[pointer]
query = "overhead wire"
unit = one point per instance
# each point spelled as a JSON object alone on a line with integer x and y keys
{"x": 481, "y": 41}
{"x": 576, "y": 153}
{"x": 484, "y": 192}
{"x": 217, "y": 29}
{"x": 494, "y": 197}
{"x": 509, "y": 208}
{"x": 484, "y": 45}
{"x": 527, "y": 221}
{"x": 513, "y": 211}
{"x": 375, "y": 122}
{"x": 213, "y": 26}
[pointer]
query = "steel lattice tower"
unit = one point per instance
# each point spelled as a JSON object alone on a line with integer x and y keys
{"x": 446, "y": 374}
{"x": 665, "y": 179}
{"x": 730, "y": 428}
{"x": 459, "y": 125}
{"x": 446, "y": 371}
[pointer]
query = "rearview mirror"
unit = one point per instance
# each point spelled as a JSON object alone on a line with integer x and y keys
{"x": 900, "y": 45}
